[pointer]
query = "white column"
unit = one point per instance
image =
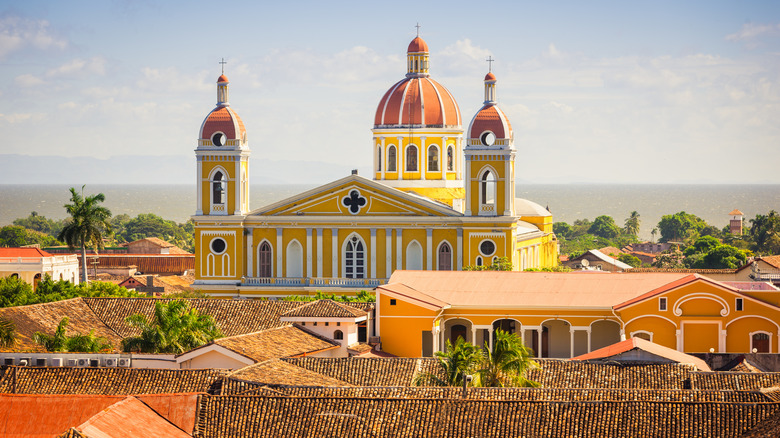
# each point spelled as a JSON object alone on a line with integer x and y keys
{"x": 589, "y": 340}
{"x": 539, "y": 341}
{"x": 429, "y": 247}
{"x": 443, "y": 158}
{"x": 319, "y": 253}
{"x": 507, "y": 189}
{"x": 373, "y": 253}
{"x": 722, "y": 342}
{"x": 571, "y": 342}
{"x": 490, "y": 338}
{"x": 678, "y": 333}
{"x": 279, "y": 253}
{"x": 459, "y": 157}
{"x": 423, "y": 158}
{"x": 400, "y": 158}
{"x": 474, "y": 334}
{"x": 309, "y": 251}
{"x": 435, "y": 336}
{"x": 237, "y": 187}
{"x": 334, "y": 253}
{"x": 399, "y": 250}
{"x": 388, "y": 252}
{"x": 199, "y": 180}
{"x": 384, "y": 157}
{"x": 467, "y": 182}
{"x": 249, "y": 253}
{"x": 522, "y": 334}
{"x": 460, "y": 250}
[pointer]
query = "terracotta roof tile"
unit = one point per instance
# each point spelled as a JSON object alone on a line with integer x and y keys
{"x": 324, "y": 309}
{"x": 280, "y": 372}
{"x": 733, "y": 381}
{"x": 251, "y": 416}
{"x": 129, "y": 417}
{"x": 773, "y": 260}
{"x": 650, "y": 347}
{"x": 276, "y": 343}
{"x": 23, "y": 252}
{"x": 106, "y": 381}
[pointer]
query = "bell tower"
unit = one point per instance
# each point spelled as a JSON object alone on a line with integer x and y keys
{"x": 490, "y": 159}
{"x": 223, "y": 160}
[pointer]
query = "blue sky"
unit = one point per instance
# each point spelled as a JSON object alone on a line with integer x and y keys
{"x": 608, "y": 92}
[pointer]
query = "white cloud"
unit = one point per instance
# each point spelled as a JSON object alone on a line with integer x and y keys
{"x": 751, "y": 31}
{"x": 79, "y": 67}
{"x": 18, "y": 33}
{"x": 16, "y": 118}
{"x": 28, "y": 80}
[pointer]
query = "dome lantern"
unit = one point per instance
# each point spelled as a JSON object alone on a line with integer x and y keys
{"x": 417, "y": 57}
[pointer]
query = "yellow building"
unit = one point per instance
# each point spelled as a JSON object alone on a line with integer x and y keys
{"x": 565, "y": 315}
{"x": 433, "y": 203}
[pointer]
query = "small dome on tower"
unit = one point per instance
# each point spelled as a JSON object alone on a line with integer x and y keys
{"x": 490, "y": 77}
{"x": 222, "y": 78}
{"x": 418, "y": 45}
{"x": 490, "y": 123}
{"x": 222, "y": 124}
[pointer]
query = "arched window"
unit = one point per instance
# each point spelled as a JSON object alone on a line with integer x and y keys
{"x": 479, "y": 261}
{"x": 411, "y": 158}
{"x": 457, "y": 331}
{"x": 294, "y": 260}
{"x": 445, "y": 257}
{"x": 647, "y": 336}
{"x": 391, "y": 159}
{"x": 379, "y": 159}
{"x": 450, "y": 165}
{"x": 354, "y": 258}
{"x": 414, "y": 256}
{"x": 264, "y": 260}
{"x": 433, "y": 159}
{"x": 218, "y": 188}
{"x": 338, "y": 335}
{"x": 487, "y": 190}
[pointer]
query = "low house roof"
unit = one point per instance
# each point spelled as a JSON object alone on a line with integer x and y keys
{"x": 325, "y": 309}
{"x": 773, "y": 260}
{"x": 172, "y": 249}
{"x": 280, "y": 372}
{"x": 270, "y": 344}
{"x": 523, "y": 289}
{"x": 23, "y": 252}
{"x": 130, "y": 417}
{"x": 647, "y": 346}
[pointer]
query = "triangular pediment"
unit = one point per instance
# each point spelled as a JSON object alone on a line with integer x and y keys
{"x": 355, "y": 196}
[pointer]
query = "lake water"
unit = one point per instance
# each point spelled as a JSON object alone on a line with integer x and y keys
{"x": 566, "y": 201}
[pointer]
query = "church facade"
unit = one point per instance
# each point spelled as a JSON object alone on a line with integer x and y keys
{"x": 436, "y": 201}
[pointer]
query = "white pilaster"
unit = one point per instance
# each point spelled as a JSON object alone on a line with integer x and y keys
{"x": 474, "y": 335}
{"x": 309, "y": 251}
{"x": 539, "y": 341}
{"x": 460, "y": 250}
{"x": 571, "y": 342}
{"x": 237, "y": 187}
{"x": 279, "y": 252}
{"x": 373, "y": 253}
{"x": 467, "y": 183}
{"x": 589, "y": 340}
{"x": 199, "y": 181}
{"x": 334, "y": 253}
{"x": 250, "y": 251}
{"x": 429, "y": 248}
{"x": 384, "y": 157}
{"x": 507, "y": 188}
{"x": 443, "y": 158}
{"x": 399, "y": 248}
{"x": 319, "y": 253}
{"x": 423, "y": 158}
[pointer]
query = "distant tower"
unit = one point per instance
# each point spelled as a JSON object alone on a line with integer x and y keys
{"x": 223, "y": 160}
{"x": 735, "y": 222}
{"x": 418, "y": 136}
{"x": 490, "y": 159}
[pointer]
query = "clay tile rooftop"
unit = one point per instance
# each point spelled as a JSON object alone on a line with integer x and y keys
{"x": 417, "y": 45}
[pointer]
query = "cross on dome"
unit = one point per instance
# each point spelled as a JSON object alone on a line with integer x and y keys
{"x": 490, "y": 61}
{"x": 418, "y": 29}
{"x": 223, "y": 62}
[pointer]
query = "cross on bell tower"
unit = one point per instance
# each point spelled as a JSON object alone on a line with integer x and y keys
{"x": 223, "y": 62}
{"x": 490, "y": 62}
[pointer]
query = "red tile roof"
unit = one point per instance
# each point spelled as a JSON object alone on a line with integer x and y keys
{"x": 23, "y": 252}
{"x": 417, "y": 45}
{"x": 490, "y": 77}
{"x": 130, "y": 417}
{"x": 650, "y": 347}
{"x": 418, "y": 101}
{"x": 490, "y": 118}
{"x": 222, "y": 78}
{"x": 736, "y": 212}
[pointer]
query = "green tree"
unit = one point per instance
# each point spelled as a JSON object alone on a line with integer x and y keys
{"x": 604, "y": 226}
{"x": 632, "y": 224}
{"x": 88, "y": 223}
{"x": 150, "y": 225}
{"x": 175, "y": 328}
{"x": 702, "y": 245}
{"x": 630, "y": 260}
{"x": 40, "y": 223}
{"x": 762, "y": 230}
{"x": 7, "y": 333}
{"x": 14, "y": 292}
{"x": 455, "y": 362}
{"x": 89, "y": 343}
{"x": 17, "y": 292}
{"x": 562, "y": 229}
{"x": 507, "y": 363}
{"x": 680, "y": 226}
{"x": 653, "y": 232}
{"x": 498, "y": 264}
{"x": 722, "y": 257}
{"x": 17, "y": 235}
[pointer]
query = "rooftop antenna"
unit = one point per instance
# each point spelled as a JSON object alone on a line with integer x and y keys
{"x": 223, "y": 62}
{"x": 490, "y": 62}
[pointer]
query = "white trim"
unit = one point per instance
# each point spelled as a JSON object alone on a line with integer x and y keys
{"x": 665, "y": 306}
{"x": 757, "y": 332}
{"x": 632, "y": 334}
{"x": 674, "y": 324}
{"x": 343, "y": 256}
{"x": 701, "y": 295}
{"x": 406, "y": 252}
{"x": 288, "y": 259}
{"x": 438, "y": 254}
{"x": 752, "y": 316}
{"x": 260, "y": 245}
{"x": 721, "y": 334}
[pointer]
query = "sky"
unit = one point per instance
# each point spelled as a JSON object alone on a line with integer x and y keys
{"x": 597, "y": 92}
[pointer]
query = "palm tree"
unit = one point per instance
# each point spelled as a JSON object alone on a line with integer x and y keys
{"x": 632, "y": 224}
{"x": 7, "y": 333}
{"x": 88, "y": 343}
{"x": 88, "y": 223}
{"x": 507, "y": 363}
{"x": 175, "y": 328}
{"x": 455, "y": 362}
{"x": 653, "y": 233}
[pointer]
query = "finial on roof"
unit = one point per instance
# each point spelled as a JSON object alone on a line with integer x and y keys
{"x": 490, "y": 61}
{"x": 418, "y": 29}
{"x": 223, "y": 62}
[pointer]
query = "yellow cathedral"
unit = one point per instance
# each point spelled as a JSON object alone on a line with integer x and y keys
{"x": 436, "y": 201}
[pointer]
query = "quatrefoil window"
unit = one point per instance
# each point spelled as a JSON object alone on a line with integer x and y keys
{"x": 354, "y": 201}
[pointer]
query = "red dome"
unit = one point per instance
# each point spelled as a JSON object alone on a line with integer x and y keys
{"x": 417, "y": 101}
{"x": 490, "y": 77}
{"x": 225, "y": 120}
{"x": 417, "y": 45}
{"x": 490, "y": 118}
{"x": 222, "y": 78}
